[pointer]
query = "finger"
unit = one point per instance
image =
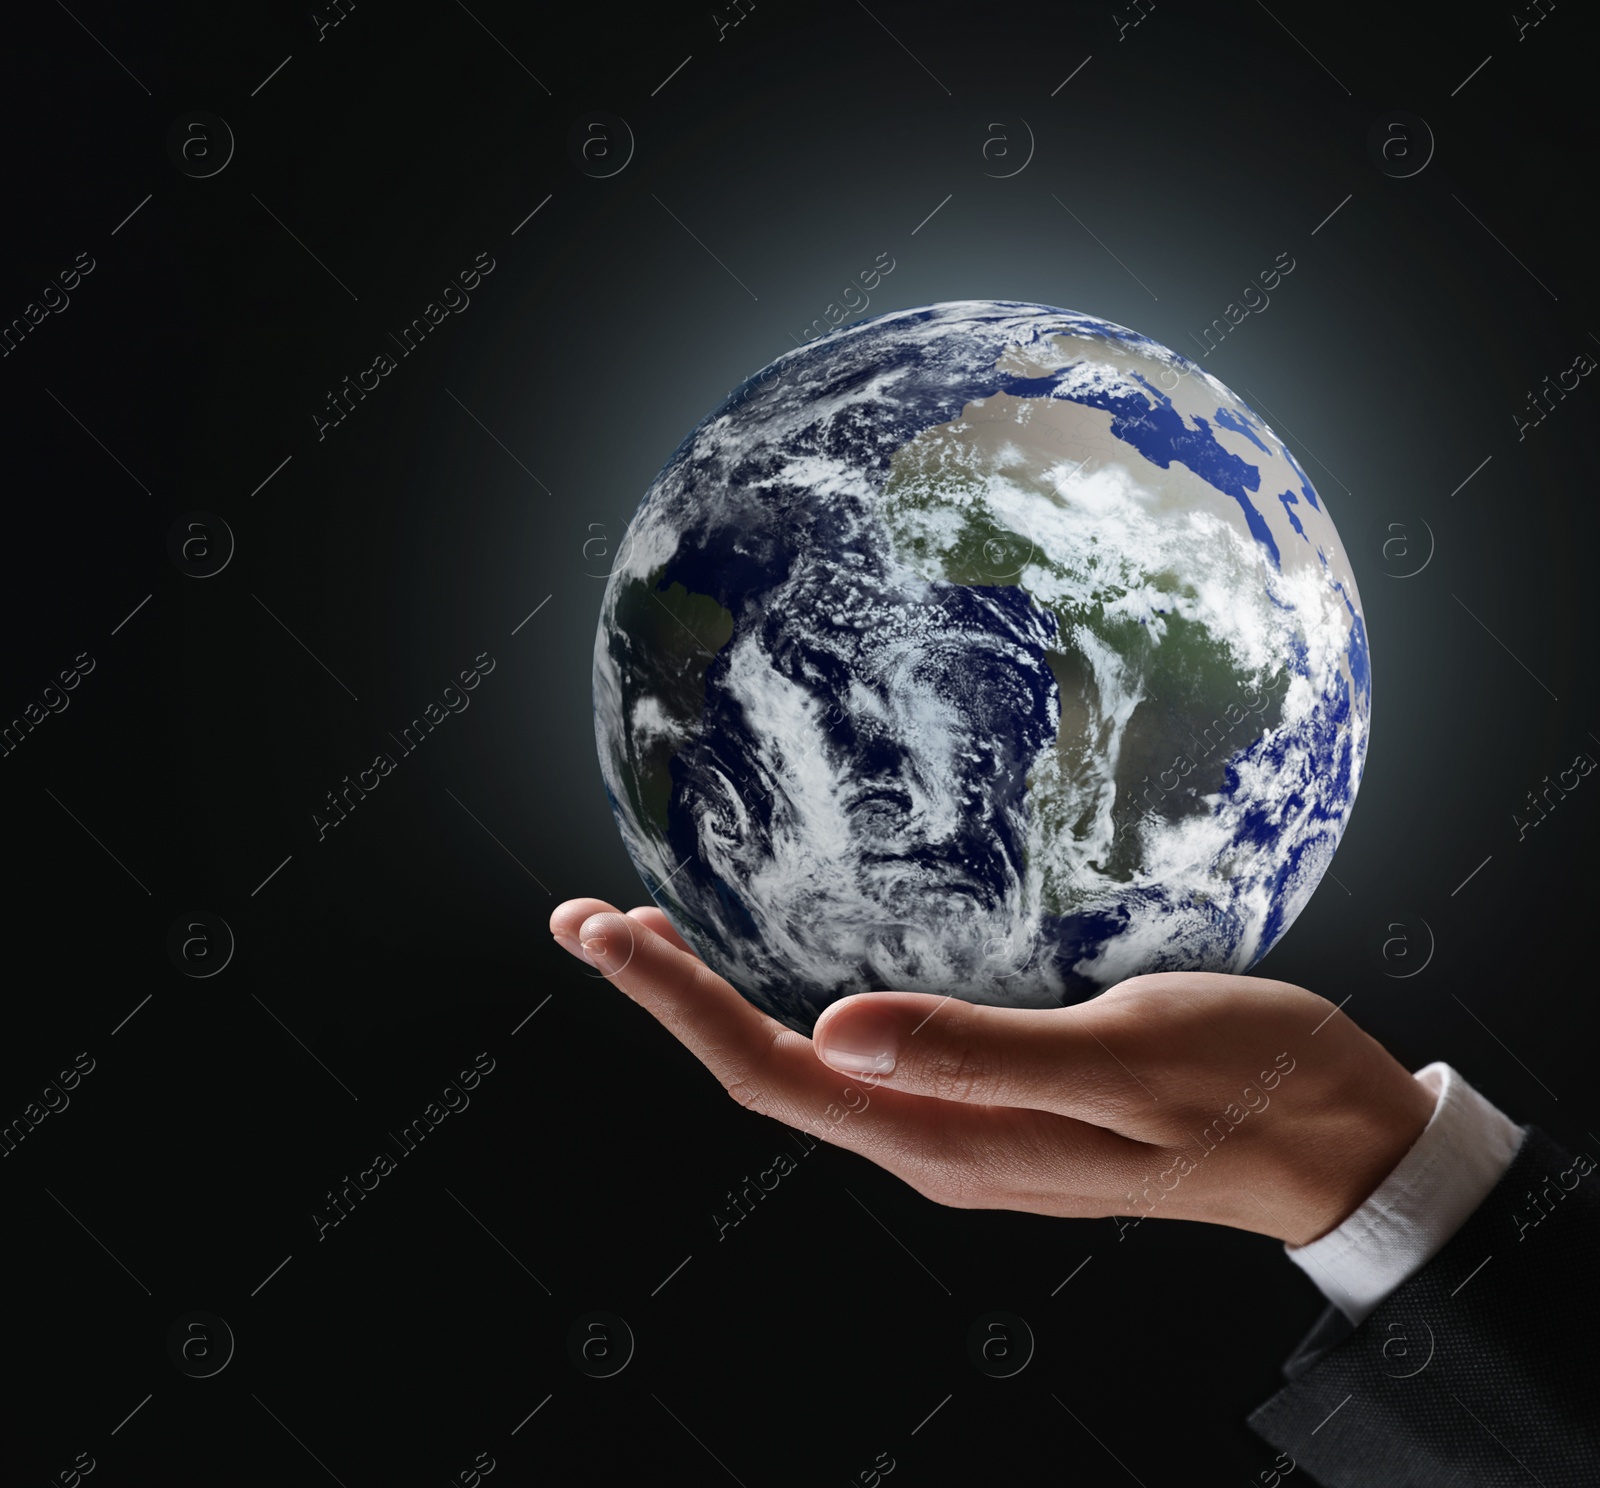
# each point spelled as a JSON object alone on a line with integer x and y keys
{"x": 734, "y": 1039}
{"x": 567, "y": 919}
{"x": 968, "y": 1156}
{"x": 649, "y": 914}
{"x": 762, "y": 1064}
{"x": 566, "y": 922}
{"x": 1043, "y": 1059}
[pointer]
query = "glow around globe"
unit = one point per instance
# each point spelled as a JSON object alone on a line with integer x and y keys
{"x": 984, "y": 649}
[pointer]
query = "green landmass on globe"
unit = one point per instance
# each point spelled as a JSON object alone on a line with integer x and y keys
{"x": 986, "y": 649}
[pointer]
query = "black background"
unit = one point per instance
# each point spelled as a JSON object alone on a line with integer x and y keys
{"x": 788, "y": 152}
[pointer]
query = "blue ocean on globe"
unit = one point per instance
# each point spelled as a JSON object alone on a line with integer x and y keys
{"x": 984, "y": 649}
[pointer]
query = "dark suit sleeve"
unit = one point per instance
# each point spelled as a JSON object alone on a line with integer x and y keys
{"x": 1482, "y": 1369}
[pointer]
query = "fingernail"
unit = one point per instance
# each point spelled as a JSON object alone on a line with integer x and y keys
{"x": 570, "y": 945}
{"x": 863, "y": 1044}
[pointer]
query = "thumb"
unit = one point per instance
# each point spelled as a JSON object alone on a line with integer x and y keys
{"x": 1043, "y": 1059}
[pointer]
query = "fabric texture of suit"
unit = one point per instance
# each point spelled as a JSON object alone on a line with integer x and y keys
{"x": 1482, "y": 1369}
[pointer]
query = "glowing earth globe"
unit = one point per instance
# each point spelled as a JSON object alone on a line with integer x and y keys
{"x": 984, "y": 649}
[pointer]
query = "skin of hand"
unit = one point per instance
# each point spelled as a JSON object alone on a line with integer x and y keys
{"x": 1231, "y": 1100}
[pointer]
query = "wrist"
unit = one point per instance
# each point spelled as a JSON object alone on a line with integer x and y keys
{"x": 1361, "y": 1138}
{"x": 1462, "y": 1154}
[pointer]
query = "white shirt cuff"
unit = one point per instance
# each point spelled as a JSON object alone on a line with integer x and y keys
{"x": 1449, "y": 1170}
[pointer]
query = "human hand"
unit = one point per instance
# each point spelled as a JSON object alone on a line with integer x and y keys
{"x": 1185, "y": 1095}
